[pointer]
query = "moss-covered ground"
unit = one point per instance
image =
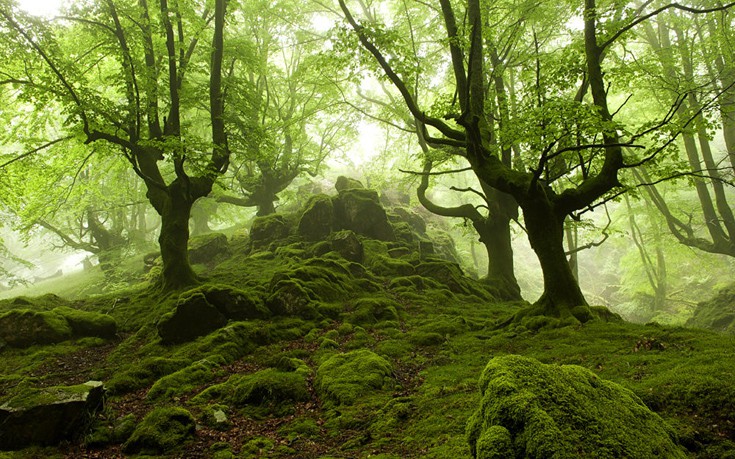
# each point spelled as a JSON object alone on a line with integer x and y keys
{"x": 379, "y": 360}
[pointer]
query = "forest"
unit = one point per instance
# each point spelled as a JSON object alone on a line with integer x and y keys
{"x": 367, "y": 229}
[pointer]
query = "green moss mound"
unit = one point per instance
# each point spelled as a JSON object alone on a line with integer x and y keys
{"x": 273, "y": 390}
{"x": 24, "y": 328}
{"x": 717, "y": 313}
{"x": 86, "y": 323}
{"x": 343, "y": 378}
{"x": 186, "y": 379}
{"x": 160, "y": 431}
{"x": 371, "y": 310}
{"x": 532, "y": 410}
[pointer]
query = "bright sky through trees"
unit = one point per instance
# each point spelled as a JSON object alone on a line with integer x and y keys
{"x": 41, "y": 7}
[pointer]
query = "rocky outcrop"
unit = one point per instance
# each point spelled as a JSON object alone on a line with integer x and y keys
{"x": 360, "y": 210}
{"x": 49, "y": 415}
{"x": 268, "y": 229}
{"x": 317, "y": 220}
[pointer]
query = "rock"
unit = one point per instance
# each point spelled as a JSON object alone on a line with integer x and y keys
{"x": 346, "y": 183}
{"x": 343, "y": 378}
{"x": 289, "y": 297}
{"x": 360, "y": 211}
{"x": 49, "y": 415}
{"x": 23, "y": 328}
{"x": 318, "y": 218}
{"x": 193, "y": 317}
{"x": 532, "y": 410}
{"x": 161, "y": 431}
{"x": 717, "y": 313}
{"x": 233, "y": 303}
{"x": 207, "y": 248}
{"x": 395, "y": 198}
{"x": 87, "y": 323}
{"x": 267, "y": 229}
{"x": 348, "y": 245}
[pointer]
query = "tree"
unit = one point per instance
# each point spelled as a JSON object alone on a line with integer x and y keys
{"x": 283, "y": 105}
{"x": 685, "y": 71}
{"x": 574, "y": 148}
{"x": 135, "y": 85}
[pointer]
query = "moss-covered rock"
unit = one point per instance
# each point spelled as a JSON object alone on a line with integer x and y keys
{"x": 186, "y": 379}
{"x": 87, "y": 323}
{"x": 532, "y": 410}
{"x": 268, "y": 229}
{"x": 271, "y": 390}
{"x": 143, "y": 373}
{"x": 161, "y": 431}
{"x": 360, "y": 210}
{"x": 208, "y": 248}
{"x": 372, "y": 310}
{"x": 48, "y": 415}
{"x": 24, "y": 328}
{"x": 343, "y": 378}
{"x": 231, "y": 302}
{"x": 347, "y": 244}
{"x": 193, "y": 317}
{"x": 717, "y": 313}
{"x": 317, "y": 220}
{"x": 347, "y": 183}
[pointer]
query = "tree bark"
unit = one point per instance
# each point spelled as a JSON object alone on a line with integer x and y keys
{"x": 174, "y": 241}
{"x": 545, "y": 229}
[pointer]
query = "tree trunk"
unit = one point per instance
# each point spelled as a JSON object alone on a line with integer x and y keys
{"x": 174, "y": 242}
{"x": 495, "y": 236}
{"x": 546, "y": 234}
{"x": 265, "y": 206}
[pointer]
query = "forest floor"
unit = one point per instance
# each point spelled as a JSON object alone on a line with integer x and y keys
{"x": 434, "y": 340}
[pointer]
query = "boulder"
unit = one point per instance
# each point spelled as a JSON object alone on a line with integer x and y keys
{"x": 359, "y": 210}
{"x": 49, "y": 415}
{"x": 533, "y": 410}
{"x": 344, "y": 378}
{"x": 208, "y": 247}
{"x": 194, "y": 316}
{"x": 160, "y": 431}
{"x": 395, "y": 198}
{"x": 289, "y": 297}
{"x": 268, "y": 229}
{"x": 348, "y": 245}
{"x": 87, "y": 323}
{"x": 24, "y": 328}
{"x": 233, "y": 303}
{"x": 717, "y": 313}
{"x": 346, "y": 183}
{"x": 317, "y": 220}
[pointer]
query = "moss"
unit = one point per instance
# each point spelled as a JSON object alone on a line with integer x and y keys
{"x": 186, "y": 379}
{"x": 161, "y": 431}
{"x": 374, "y": 309}
{"x": 271, "y": 389}
{"x": 231, "y": 342}
{"x": 424, "y": 338}
{"x": 231, "y": 302}
{"x": 387, "y": 266}
{"x": 142, "y": 374}
{"x": 327, "y": 343}
{"x": 343, "y": 378}
{"x": 267, "y": 230}
{"x": 717, "y": 313}
{"x": 86, "y": 323}
{"x": 24, "y": 328}
{"x": 564, "y": 412}
{"x": 317, "y": 219}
